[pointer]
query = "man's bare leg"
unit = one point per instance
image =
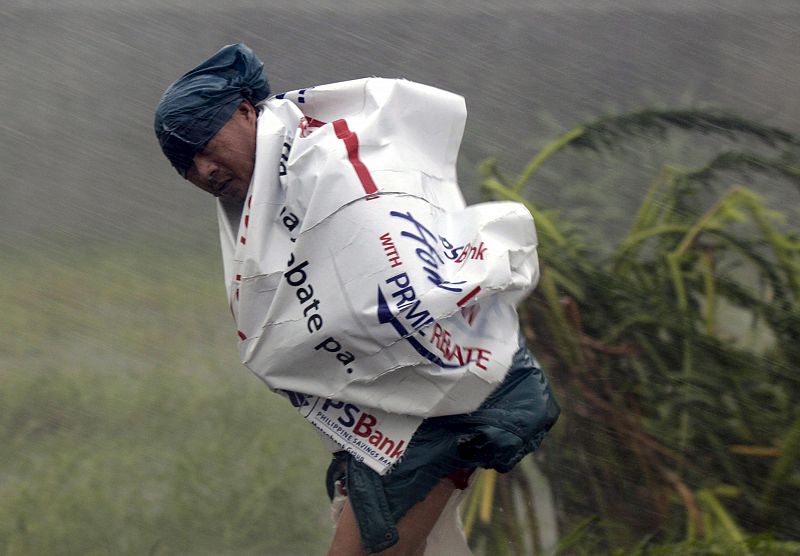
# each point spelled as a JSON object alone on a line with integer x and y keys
{"x": 413, "y": 528}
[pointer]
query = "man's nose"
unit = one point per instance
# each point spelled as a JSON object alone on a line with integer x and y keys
{"x": 205, "y": 168}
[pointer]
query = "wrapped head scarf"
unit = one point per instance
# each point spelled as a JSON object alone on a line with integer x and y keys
{"x": 194, "y": 108}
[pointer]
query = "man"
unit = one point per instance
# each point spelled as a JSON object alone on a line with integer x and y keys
{"x": 291, "y": 183}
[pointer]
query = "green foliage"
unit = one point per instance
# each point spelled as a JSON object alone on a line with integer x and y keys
{"x": 673, "y": 353}
{"x": 125, "y": 430}
{"x": 609, "y": 131}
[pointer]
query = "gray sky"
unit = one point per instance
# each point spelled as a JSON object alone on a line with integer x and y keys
{"x": 448, "y": 5}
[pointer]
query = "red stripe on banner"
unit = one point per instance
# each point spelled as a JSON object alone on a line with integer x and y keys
{"x": 351, "y": 144}
{"x": 313, "y": 122}
{"x": 469, "y": 296}
{"x": 241, "y": 334}
{"x": 246, "y": 220}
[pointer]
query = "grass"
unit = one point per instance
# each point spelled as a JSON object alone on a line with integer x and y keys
{"x": 127, "y": 425}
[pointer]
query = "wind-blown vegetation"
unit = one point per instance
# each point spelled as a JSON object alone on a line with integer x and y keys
{"x": 674, "y": 356}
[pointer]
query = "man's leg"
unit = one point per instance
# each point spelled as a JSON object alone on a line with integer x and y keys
{"x": 447, "y": 536}
{"x": 413, "y": 528}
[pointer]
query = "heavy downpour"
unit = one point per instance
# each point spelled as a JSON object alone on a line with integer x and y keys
{"x": 492, "y": 278}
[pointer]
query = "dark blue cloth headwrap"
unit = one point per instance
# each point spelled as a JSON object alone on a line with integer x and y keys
{"x": 194, "y": 108}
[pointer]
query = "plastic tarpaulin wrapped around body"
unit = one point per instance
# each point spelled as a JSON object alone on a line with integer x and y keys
{"x": 362, "y": 287}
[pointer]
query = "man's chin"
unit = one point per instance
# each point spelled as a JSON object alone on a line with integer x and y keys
{"x": 239, "y": 193}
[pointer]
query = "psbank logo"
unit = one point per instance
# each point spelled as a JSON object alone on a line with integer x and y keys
{"x": 361, "y": 424}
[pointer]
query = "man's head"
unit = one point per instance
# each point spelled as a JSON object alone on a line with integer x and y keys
{"x": 206, "y": 121}
{"x": 224, "y": 166}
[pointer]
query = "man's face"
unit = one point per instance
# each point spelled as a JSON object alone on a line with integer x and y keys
{"x": 224, "y": 167}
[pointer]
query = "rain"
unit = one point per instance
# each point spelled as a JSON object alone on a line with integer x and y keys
{"x": 127, "y": 423}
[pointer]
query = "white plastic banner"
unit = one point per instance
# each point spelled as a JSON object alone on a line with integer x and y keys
{"x": 362, "y": 287}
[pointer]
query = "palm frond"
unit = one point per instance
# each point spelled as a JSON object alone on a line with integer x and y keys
{"x": 609, "y": 131}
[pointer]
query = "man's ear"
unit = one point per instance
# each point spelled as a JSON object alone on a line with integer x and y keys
{"x": 247, "y": 110}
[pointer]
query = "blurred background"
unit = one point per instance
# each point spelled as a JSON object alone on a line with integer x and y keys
{"x": 127, "y": 425}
